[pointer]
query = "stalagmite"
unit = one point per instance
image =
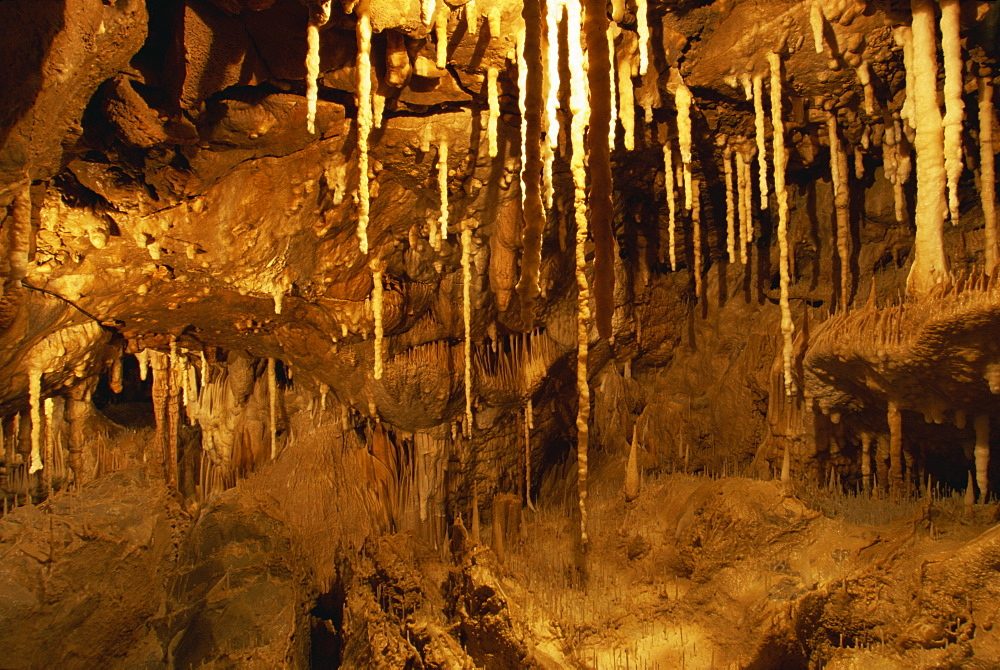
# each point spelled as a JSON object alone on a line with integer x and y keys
{"x": 696, "y": 235}
{"x": 682, "y": 99}
{"x": 642, "y": 27}
{"x": 173, "y": 413}
{"x": 467, "y": 313}
{"x": 492, "y": 95}
{"x": 895, "y": 420}
{"x": 272, "y": 401}
{"x": 364, "y": 119}
{"x": 930, "y": 265}
{"x": 778, "y": 141}
{"x": 50, "y": 444}
{"x": 626, "y": 102}
{"x": 786, "y": 467}
{"x": 115, "y": 378}
{"x": 35, "y": 401}
{"x": 742, "y": 186}
{"x": 817, "y": 22}
{"x": 441, "y": 37}
{"x": 954, "y": 114}
{"x": 982, "y": 455}
{"x": 668, "y": 185}
{"x": 632, "y": 467}
{"x": 727, "y": 157}
{"x": 761, "y": 132}
{"x": 160, "y": 393}
{"x": 599, "y": 163}
{"x": 580, "y": 110}
{"x": 442, "y": 175}
{"x": 987, "y": 177}
{"x": 377, "y": 294}
{"x": 841, "y": 203}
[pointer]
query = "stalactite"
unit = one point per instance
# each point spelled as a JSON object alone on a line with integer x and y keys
{"x": 742, "y": 186}
{"x": 954, "y": 115}
{"x": 377, "y": 307}
{"x": 668, "y": 185}
{"x": 160, "y": 392}
{"x": 532, "y": 113}
{"x": 982, "y": 455}
{"x": 272, "y": 402}
{"x": 778, "y": 141}
{"x": 682, "y": 100}
{"x": 727, "y": 157}
{"x": 599, "y": 162}
{"x": 441, "y": 38}
{"x": 116, "y": 378}
{"x": 696, "y": 235}
{"x": 642, "y": 27}
{"x": 173, "y": 413}
{"x": 442, "y": 175}
{"x": 580, "y": 110}
{"x": 817, "y": 22}
{"x": 761, "y": 132}
{"x": 865, "y": 79}
{"x": 613, "y": 98}
{"x": 930, "y": 265}
{"x": 35, "y": 402}
{"x": 895, "y": 420}
{"x": 493, "y": 18}
{"x": 318, "y": 18}
{"x": 632, "y": 467}
{"x": 903, "y": 36}
{"x": 427, "y": 8}
{"x": 467, "y": 313}
{"x": 364, "y": 119}
{"x": 987, "y": 176}
{"x": 493, "y": 99}
{"x": 626, "y": 101}
{"x": 529, "y": 424}
{"x": 838, "y": 177}
{"x": 471, "y": 17}
{"x": 50, "y": 444}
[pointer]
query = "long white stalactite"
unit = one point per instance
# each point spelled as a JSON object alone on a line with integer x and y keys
{"x": 626, "y": 101}
{"x": 364, "y": 119}
{"x": 838, "y": 177}
{"x": 580, "y": 111}
{"x": 642, "y": 27}
{"x": 683, "y": 100}
{"x": 467, "y": 316}
{"x": 442, "y": 175}
{"x": 930, "y": 265}
{"x": 954, "y": 114}
{"x": 493, "y": 100}
{"x": 312, "y": 62}
{"x": 743, "y": 193}
{"x": 760, "y": 128}
{"x": 378, "y": 290}
{"x": 727, "y": 158}
{"x": 987, "y": 176}
{"x": 550, "y": 54}
{"x": 668, "y": 187}
{"x": 35, "y": 402}
{"x": 780, "y": 190}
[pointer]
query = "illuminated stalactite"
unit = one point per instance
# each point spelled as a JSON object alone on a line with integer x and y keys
{"x": 683, "y": 101}
{"x": 364, "y": 119}
{"x": 954, "y": 115}
{"x": 817, "y": 22}
{"x": 50, "y": 436}
{"x": 317, "y": 18}
{"x": 696, "y": 235}
{"x": 903, "y": 36}
{"x": 668, "y": 187}
{"x": 743, "y": 198}
{"x": 865, "y": 79}
{"x": 467, "y": 226}
{"x": 987, "y": 177}
{"x": 838, "y": 177}
{"x": 982, "y": 455}
{"x": 441, "y": 38}
{"x": 472, "y": 17}
{"x": 642, "y": 27}
{"x": 553, "y": 15}
{"x": 580, "y": 110}
{"x": 727, "y": 157}
{"x": 160, "y": 393}
{"x": 599, "y": 163}
{"x": 529, "y": 425}
{"x": 626, "y": 101}
{"x": 613, "y": 97}
{"x": 780, "y": 158}
{"x": 493, "y": 100}
{"x": 378, "y": 289}
{"x": 930, "y": 265}
{"x": 35, "y": 403}
{"x": 761, "y": 137}
{"x": 442, "y": 178}
{"x": 532, "y": 114}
